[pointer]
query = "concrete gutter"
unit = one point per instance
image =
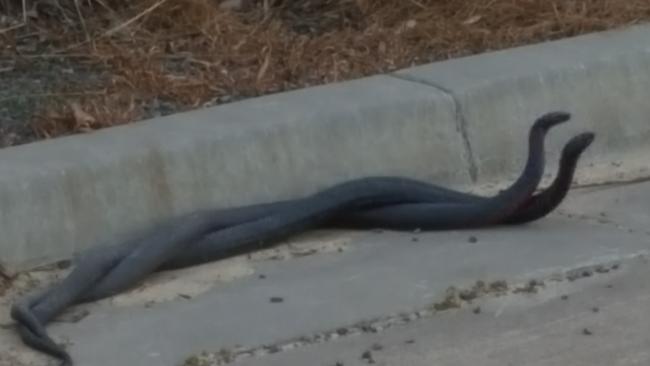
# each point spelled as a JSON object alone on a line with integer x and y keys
{"x": 461, "y": 122}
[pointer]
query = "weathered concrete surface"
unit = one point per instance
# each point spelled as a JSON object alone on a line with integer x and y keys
{"x": 361, "y": 276}
{"x": 603, "y": 79}
{"x": 603, "y": 322}
{"x": 628, "y": 209}
{"x": 68, "y": 194}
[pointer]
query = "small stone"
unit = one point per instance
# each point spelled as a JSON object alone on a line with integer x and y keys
{"x": 586, "y": 331}
{"x": 467, "y": 295}
{"x": 367, "y": 356}
{"x": 273, "y": 349}
{"x": 601, "y": 269}
{"x": 477, "y": 310}
{"x": 377, "y": 347}
{"x": 276, "y": 299}
{"x": 472, "y": 239}
{"x": 530, "y": 287}
{"x": 366, "y": 328}
{"x": 499, "y": 286}
{"x": 564, "y": 297}
{"x": 479, "y": 286}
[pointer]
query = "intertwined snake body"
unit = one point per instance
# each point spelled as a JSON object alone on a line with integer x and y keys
{"x": 388, "y": 202}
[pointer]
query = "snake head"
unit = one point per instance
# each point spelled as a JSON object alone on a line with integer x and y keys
{"x": 577, "y": 145}
{"x": 548, "y": 120}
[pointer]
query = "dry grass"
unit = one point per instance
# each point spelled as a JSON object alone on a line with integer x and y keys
{"x": 193, "y": 52}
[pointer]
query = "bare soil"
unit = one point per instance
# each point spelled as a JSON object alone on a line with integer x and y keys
{"x": 68, "y": 69}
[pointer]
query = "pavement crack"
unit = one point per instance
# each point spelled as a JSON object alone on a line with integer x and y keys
{"x": 461, "y": 121}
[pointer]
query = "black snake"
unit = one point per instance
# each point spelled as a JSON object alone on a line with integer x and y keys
{"x": 388, "y": 202}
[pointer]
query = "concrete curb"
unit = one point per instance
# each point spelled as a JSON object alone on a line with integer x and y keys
{"x": 603, "y": 79}
{"x": 429, "y": 122}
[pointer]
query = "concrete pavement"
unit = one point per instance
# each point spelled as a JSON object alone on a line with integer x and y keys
{"x": 328, "y": 296}
{"x": 600, "y": 321}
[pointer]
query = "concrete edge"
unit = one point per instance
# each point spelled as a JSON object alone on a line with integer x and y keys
{"x": 67, "y": 194}
{"x": 602, "y": 78}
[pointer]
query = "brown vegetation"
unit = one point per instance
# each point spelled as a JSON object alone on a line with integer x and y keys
{"x": 190, "y": 53}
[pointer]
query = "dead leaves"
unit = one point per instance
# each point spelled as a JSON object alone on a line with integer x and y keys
{"x": 86, "y": 115}
{"x": 83, "y": 121}
{"x": 193, "y": 52}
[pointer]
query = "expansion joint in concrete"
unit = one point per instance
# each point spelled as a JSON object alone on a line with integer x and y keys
{"x": 461, "y": 122}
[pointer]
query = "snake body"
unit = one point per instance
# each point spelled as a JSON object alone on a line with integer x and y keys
{"x": 409, "y": 216}
{"x": 214, "y": 234}
{"x": 440, "y": 215}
